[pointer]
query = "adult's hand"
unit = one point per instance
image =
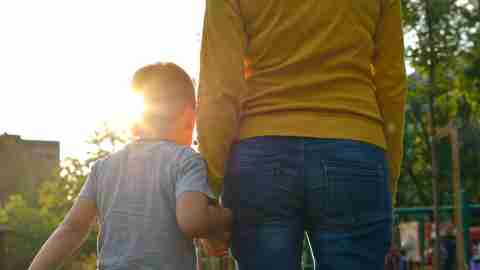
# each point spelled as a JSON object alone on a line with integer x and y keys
{"x": 217, "y": 246}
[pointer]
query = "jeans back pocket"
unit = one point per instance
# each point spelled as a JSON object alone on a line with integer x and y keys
{"x": 351, "y": 193}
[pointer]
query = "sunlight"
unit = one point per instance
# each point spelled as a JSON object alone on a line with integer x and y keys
{"x": 127, "y": 110}
{"x": 67, "y": 76}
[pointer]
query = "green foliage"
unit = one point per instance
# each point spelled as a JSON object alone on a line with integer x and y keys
{"x": 32, "y": 227}
{"x": 34, "y": 218}
{"x": 446, "y": 58}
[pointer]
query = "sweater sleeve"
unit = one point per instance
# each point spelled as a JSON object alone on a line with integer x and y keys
{"x": 221, "y": 85}
{"x": 391, "y": 84}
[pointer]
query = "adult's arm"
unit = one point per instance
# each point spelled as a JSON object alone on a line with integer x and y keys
{"x": 221, "y": 85}
{"x": 390, "y": 80}
{"x": 68, "y": 237}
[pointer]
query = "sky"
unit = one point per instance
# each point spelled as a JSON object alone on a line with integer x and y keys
{"x": 65, "y": 65}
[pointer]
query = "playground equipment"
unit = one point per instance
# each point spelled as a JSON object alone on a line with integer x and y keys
{"x": 450, "y": 131}
{"x": 468, "y": 210}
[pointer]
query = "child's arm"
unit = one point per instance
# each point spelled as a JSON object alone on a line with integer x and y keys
{"x": 68, "y": 237}
{"x": 196, "y": 218}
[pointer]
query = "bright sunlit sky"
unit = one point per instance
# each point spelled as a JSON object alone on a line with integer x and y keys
{"x": 65, "y": 65}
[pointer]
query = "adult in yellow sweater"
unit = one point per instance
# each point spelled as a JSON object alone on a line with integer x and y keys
{"x": 301, "y": 115}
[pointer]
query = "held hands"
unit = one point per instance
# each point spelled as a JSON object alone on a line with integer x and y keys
{"x": 217, "y": 243}
{"x": 216, "y": 246}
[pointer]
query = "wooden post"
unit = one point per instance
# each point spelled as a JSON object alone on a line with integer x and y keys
{"x": 452, "y": 132}
{"x": 436, "y": 201}
{"x": 457, "y": 191}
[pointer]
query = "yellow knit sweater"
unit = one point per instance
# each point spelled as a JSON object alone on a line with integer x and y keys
{"x": 311, "y": 68}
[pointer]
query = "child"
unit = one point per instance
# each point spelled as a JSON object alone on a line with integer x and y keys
{"x": 152, "y": 197}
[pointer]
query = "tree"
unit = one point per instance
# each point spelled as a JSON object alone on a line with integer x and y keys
{"x": 445, "y": 84}
{"x": 35, "y": 219}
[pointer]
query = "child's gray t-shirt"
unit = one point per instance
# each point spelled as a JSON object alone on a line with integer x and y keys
{"x": 135, "y": 191}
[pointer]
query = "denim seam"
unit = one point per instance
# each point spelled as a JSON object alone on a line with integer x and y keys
{"x": 326, "y": 179}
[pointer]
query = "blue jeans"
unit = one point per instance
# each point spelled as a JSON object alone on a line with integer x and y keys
{"x": 337, "y": 190}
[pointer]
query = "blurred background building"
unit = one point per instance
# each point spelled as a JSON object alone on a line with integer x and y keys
{"x": 25, "y": 163}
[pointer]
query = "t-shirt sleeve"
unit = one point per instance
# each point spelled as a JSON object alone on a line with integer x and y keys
{"x": 192, "y": 176}
{"x": 89, "y": 189}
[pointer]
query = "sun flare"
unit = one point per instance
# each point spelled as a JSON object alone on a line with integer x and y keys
{"x": 127, "y": 110}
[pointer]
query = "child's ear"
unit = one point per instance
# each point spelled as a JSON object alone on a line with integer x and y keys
{"x": 189, "y": 115}
{"x": 137, "y": 131}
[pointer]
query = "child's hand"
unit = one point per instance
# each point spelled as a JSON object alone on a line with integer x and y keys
{"x": 216, "y": 246}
